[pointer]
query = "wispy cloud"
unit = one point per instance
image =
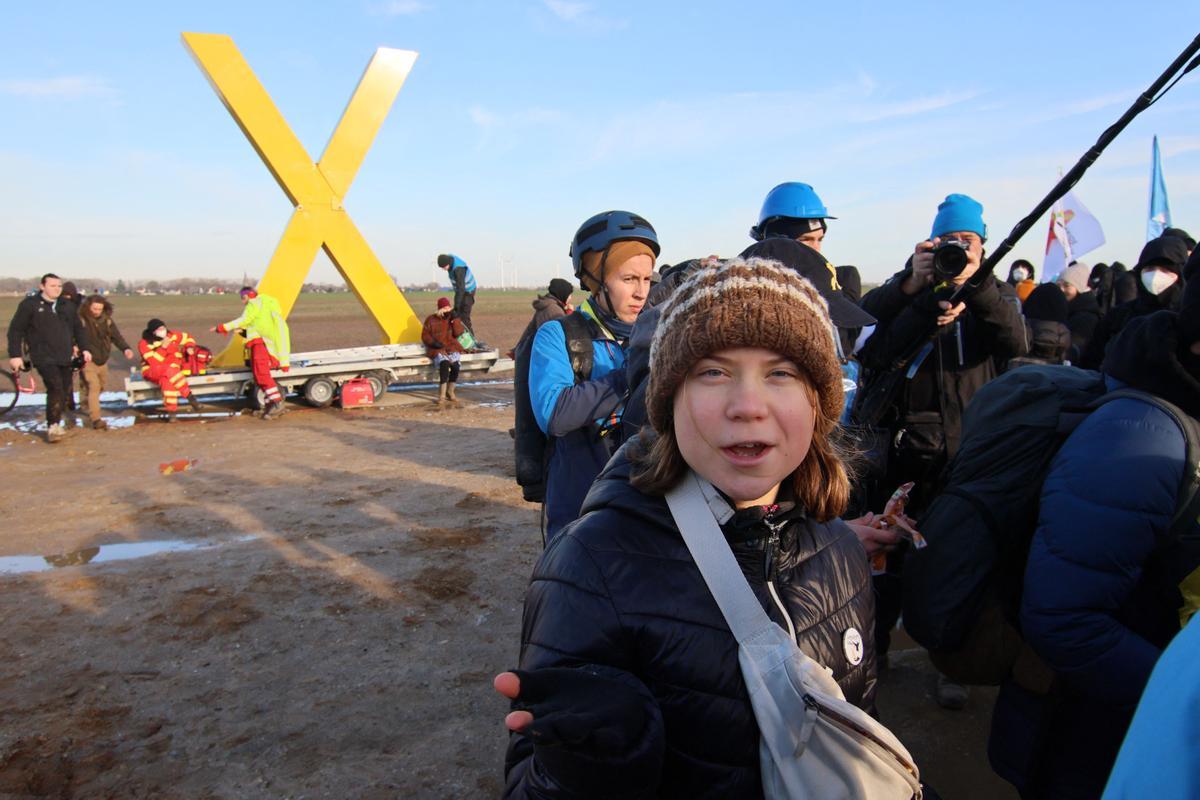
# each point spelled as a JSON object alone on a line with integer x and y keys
{"x": 399, "y": 8}
{"x": 567, "y": 10}
{"x": 68, "y": 87}
{"x": 583, "y": 15}
{"x": 505, "y": 130}
{"x": 915, "y": 106}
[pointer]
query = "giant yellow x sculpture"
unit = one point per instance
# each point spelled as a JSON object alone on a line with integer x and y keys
{"x": 315, "y": 189}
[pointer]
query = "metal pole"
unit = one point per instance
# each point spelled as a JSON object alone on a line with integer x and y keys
{"x": 1071, "y": 178}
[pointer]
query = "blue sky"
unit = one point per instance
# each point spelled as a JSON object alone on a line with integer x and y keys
{"x": 523, "y": 117}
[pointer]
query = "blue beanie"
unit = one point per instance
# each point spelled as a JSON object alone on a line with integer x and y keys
{"x": 958, "y": 212}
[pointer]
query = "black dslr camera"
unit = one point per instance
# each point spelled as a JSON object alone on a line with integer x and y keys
{"x": 950, "y": 259}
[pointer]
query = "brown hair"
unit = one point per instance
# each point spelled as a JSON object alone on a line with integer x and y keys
{"x": 821, "y": 482}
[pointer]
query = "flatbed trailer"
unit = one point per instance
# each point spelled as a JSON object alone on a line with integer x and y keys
{"x": 316, "y": 376}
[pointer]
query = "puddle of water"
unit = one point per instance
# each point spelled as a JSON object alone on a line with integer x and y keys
{"x": 16, "y": 565}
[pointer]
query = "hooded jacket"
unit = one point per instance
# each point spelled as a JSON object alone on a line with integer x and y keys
{"x": 1083, "y": 317}
{"x": 440, "y": 335}
{"x": 100, "y": 334}
{"x": 1116, "y": 319}
{"x": 49, "y": 328}
{"x": 546, "y": 307}
{"x": 1097, "y": 605}
{"x": 619, "y": 589}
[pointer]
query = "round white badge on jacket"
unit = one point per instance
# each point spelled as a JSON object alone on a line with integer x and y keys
{"x": 852, "y": 646}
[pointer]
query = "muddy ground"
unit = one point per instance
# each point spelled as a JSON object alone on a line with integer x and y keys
{"x": 338, "y": 638}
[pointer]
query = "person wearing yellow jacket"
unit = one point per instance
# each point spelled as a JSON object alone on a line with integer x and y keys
{"x": 268, "y": 343}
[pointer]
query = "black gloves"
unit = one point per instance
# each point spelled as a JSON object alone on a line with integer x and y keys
{"x": 595, "y": 730}
{"x": 436, "y": 345}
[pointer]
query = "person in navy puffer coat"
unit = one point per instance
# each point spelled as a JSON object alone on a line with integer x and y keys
{"x": 1102, "y": 594}
{"x": 629, "y": 683}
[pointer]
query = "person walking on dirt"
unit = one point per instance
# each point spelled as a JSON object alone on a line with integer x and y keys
{"x": 53, "y": 333}
{"x": 163, "y": 352}
{"x": 100, "y": 335}
{"x": 440, "y": 336}
{"x": 463, "y": 281}
{"x": 268, "y": 343}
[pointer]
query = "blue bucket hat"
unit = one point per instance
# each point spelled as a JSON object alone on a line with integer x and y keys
{"x": 958, "y": 212}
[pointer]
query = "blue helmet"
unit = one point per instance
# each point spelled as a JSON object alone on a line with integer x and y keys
{"x": 790, "y": 200}
{"x": 603, "y": 229}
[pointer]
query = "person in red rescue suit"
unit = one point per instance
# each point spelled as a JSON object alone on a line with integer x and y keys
{"x": 440, "y": 336}
{"x": 268, "y": 343}
{"x": 163, "y": 354}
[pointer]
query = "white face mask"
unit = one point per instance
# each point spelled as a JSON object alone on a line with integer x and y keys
{"x": 1158, "y": 281}
{"x": 1020, "y": 274}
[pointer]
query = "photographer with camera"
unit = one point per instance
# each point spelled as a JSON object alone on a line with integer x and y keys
{"x": 942, "y": 327}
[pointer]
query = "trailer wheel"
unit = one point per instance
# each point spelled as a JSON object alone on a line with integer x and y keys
{"x": 319, "y": 392}
{"x": 380, "y": 380}
{"x": 255, "y": 397}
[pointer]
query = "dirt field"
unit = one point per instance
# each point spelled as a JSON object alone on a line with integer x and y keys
{"x": 331, "y": 594}
{"x": 318, "y": 322}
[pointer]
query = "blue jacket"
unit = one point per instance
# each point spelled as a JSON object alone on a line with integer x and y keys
{"x": 1094, "y": 605}
{"x": 573, "y": 415}
{"x": 1158, "y": 759}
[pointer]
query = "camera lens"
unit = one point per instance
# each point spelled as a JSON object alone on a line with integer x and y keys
{"x": 949, "y": 260}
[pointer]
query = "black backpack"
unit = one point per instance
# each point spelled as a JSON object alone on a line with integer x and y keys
{"x": 962, "y": 592}
{"x": 531, "y": 445}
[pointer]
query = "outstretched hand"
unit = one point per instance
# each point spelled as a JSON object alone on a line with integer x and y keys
{"x": 573, "y": 707}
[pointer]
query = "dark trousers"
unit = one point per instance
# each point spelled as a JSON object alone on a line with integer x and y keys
{"x": 58, "y": 381}
{"x": 464, "y": 310}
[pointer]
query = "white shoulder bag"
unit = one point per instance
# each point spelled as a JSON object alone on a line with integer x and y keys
{"x": 814, "y": 743}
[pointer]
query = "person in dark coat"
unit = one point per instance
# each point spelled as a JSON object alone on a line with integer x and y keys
{"x": 982, "y": 327}
{"x": 629, "y": 682}
{"x": 1124, "y": 284}
{"x": 1045, "y": 312}
{"x": 1083, "y": 310}
{"x": 554, "y": 304}
{"x": 1158, "y": 276}
{"x": 1101, "y": 282}
{"x": 958, "y": 339}
{"x": 52, "y": 331}
{"x": 100, "y": 336}
{"x": 1102, "y": 592}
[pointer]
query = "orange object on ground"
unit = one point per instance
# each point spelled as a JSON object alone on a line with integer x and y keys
{"x": 178, "y": 465}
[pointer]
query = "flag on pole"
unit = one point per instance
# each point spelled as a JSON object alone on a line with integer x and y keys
{"x": 1160, "y": 210}
{"x": 1073, "y": 232}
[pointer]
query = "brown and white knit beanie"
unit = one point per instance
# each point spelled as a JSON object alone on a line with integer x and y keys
{"x": 742, "y": 303}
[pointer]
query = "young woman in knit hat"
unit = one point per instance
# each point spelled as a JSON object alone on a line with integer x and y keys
{"x": 630, "y": 684}
{"x": 577, "y": 383}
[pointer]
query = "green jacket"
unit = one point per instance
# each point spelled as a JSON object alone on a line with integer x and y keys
{"x": 263, "y": 319}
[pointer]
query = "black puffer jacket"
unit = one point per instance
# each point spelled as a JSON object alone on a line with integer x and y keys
{"x": 1085, "y": 315}
{"x": 49, "y": 329}
{"x": 618, "y": 588}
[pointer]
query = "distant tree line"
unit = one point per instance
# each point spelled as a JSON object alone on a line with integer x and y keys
{"x": 174, "y": 286}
